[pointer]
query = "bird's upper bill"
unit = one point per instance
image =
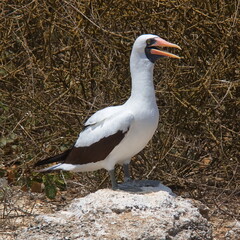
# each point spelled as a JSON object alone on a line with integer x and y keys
{"x": 158, "y": 44}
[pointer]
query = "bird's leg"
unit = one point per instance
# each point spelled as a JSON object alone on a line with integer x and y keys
{"x": 113, "y": 179}
{"x": 126, "y": 170}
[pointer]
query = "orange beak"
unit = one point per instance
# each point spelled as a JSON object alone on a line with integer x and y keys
{"x": 163, "y": 43}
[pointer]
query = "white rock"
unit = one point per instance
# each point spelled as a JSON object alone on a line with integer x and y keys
{"x": 108, "y": 214}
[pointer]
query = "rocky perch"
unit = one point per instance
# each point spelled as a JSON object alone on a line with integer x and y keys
{"x": 106, "y": 214}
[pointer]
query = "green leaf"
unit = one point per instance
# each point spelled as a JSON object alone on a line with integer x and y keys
{"x": 50, "y": 187}
{"x": 60, "y": 184}
{"x": 2, "y": 172}
{"x": 51, "y": 191}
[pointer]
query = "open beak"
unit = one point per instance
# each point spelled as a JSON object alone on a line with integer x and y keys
{"x": 160, "y": 43}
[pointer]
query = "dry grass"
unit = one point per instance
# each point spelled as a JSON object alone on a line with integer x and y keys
{"x": 63, "y": 60}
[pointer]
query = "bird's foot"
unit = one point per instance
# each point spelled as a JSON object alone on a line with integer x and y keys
{"x": 143, "y": 186}
{"x": 130, "y": 185}
{"x": 127, "y": 180}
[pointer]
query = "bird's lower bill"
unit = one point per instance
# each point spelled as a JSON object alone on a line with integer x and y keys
{"x": 163, "y": 53}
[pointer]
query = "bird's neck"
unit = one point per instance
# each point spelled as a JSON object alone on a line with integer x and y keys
{"x": 142, "y": 79}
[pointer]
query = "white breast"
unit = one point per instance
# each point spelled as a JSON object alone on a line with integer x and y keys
{"x": 140, "y": 133}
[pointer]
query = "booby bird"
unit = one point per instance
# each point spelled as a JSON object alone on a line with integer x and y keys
{"x": 115, "y": 134}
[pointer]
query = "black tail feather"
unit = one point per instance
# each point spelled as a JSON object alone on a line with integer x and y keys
{"x": 58, "y": 158}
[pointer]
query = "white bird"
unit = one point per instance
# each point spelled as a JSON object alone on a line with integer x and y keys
{"x": 115, "y": 134}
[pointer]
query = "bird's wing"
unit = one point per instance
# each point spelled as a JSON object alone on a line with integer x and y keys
{"x": 103, "y": 128}
{"x": 102, "y": 114}
{"x": 97, "y": 141}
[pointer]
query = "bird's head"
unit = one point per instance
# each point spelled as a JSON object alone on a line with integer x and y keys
{"x": 152, "y": 47}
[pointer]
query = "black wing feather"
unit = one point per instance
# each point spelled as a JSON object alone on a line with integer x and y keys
{"x": 57, "y": 158}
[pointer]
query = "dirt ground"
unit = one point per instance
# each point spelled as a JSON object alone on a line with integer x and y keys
{"x": 19, "y": 208}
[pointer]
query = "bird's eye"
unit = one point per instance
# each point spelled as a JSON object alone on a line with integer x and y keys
{"x": 150, "y": 41}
